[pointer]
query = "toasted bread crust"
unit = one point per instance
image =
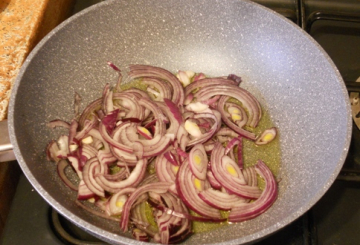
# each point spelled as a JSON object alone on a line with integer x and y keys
{"x": 22, "y": 24}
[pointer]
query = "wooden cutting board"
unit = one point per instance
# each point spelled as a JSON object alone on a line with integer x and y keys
{"x": 23, "y": 23}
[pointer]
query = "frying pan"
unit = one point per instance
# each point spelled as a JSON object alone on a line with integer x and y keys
{"x": 294, "y": 79}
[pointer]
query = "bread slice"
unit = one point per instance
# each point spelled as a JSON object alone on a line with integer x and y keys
{"x": 22, "y": 25}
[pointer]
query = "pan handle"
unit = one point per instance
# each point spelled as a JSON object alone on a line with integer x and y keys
{"x": 6, "y": 148}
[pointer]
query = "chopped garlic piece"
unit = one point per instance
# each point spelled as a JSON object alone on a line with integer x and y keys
{"x": 198, "y": 107}
{"x": 88, "y": 140}
{"x": 183, "y": 77}
{"x": 190, "y": 74}
{"x": 192, "y": 128}
{"x": 91, "y": 200}
{"x": 73, "y": 147}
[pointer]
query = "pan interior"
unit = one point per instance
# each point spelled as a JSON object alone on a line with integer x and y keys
{"x": 281, "y": 65}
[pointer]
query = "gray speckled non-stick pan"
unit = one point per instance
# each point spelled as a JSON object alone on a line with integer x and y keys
{"x": 281, "y": 65}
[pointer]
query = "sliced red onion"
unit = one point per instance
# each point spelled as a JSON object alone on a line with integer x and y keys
{"x": 120, "y": 154}
{"x": 89, "y": 171}
{"x": 220, "y": 200}
{"x": 140, "y": 235}
{"x": 160, "y": 187}
{"x": 189, "y": 194}
{"x": 114, "y": 66}
{"x": 206, "y": 136}
{"x": 166, "y": 172}
{"x": 52, "y": 150}
{"x": 144, "y": 132}
{"x": 139, "y": 218}
{"x": 171, "y": 158}
{"x": 88, "y": 151}
{"x": 213, "y": 182}
{"x": 188, "y": 99}
{"x": 117, "y": 201}
{"x": 235, "y": 78}
{"x": 134, "y": 178}
{"x": 99, "y": 141}
{"x": 106, "y": 157}
{"x": 246, "y": 98}
{"x": 58, "y": 123}
{"x": 109, "y": 121}
{"x": 267, "y": 136}
{"x": 174, "y": 110}
{"x": 165, "y": 91}
{"x": 61, "y": 166}
{"x": 118, "y": 176}
{"x": 72, "y": 132}
{"x": 75, "y": 163}
{"x": 250, "y": 176}
{"x": 237, "y": 114}
{"x": 212, "y": 101}
{"x": 137, "y": 71}
{"x": 112, "y": 142}
{"x": 63, "y": 144}
{"x": 130, "y": 128}
{"x": 149, "y": 148}
{"x": 107, "y": 99}
{"x": 198, "y": 161}
{"x": 231, "y": 124}
{"x": 232, "y": 184}
{"x": 198, "y": 76}
{"x": 88, "y": 125}
{"x": 182, "y": 153}
{"x": 231, "y": 145}
{"x": 84, "y": 192}
{"x": 89, "y": 111}
{"x": 227, "y": 132}
{"x": 251, "y": 210}
{"x": 205, "y": 82}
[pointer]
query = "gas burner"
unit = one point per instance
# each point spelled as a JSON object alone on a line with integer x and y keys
{"x": 70, "y": 233}
{"x": 355, "y": 105}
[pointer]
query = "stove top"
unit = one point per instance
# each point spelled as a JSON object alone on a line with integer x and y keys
{"x": 335, "y": 219}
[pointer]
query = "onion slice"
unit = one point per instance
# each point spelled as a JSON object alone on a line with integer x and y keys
{"x": 198, "y": 161}
{"x": 157, "y": 187}
{"x": 189, "y": 194}
{"x": 61, "y": 166}
{"x": 221, "y": 200}
{"x": 231, "y": 183}
{"x": 251, "y": 210}
{"x": 134, "y": 178}
{"x": 267, "y": 136}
